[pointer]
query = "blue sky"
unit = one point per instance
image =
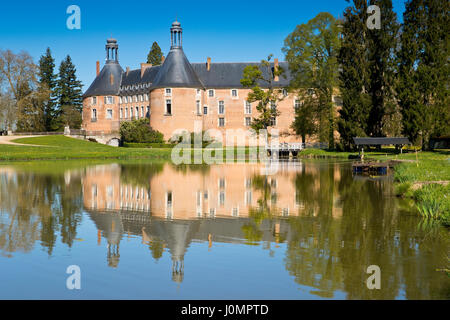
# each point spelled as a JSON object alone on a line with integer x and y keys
{"x": 226, "y": 31}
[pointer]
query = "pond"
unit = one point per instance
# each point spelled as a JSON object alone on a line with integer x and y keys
{"x": 151, "y": 230}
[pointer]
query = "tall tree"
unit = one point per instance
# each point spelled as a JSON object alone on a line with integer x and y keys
{"x": 260, "y": 79}
{"x": 305, "y": 118}
{"x": 353, "y": 76}
{"x": 155, "y": 55}
{"x": 423, "y": 70}
{"x": 311, "y": 50}
{"x": 381, "y": 46}
{"x": 47, "y": 77}
{"x": 69, "y": 94}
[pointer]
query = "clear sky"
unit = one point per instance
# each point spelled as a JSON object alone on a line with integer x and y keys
{"x": 226, "y": 31}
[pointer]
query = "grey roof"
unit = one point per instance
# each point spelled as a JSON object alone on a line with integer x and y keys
{"x": 102, "y": 86}
{"x": 176, "y": 72}
{"x": 380, "y": 141}
{"x": 229, "y": 75}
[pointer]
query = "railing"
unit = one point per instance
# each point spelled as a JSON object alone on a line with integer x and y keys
{"x": 37, "y": 133}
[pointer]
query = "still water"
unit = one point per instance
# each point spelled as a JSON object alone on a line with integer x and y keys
{"x": 158, "y": 231}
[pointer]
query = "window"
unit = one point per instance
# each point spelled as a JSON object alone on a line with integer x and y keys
{"x": 234, "y": 93}
{"x": 130, "y": 99}
{"x": 141, "y": 98}
{"x": 146, "y": 97}
{"x": 137, "y": 112}
{"x": 94, "y": 100}
{"x": 273, "y": 122}
{"x": 135, "y": 98}
{"x": 94, "y": 114}
{"x": 235, "y": 212}
{"x": 109, "y": 113}
{"x": 131, "y": 113}
{"x": 297, "y": 104}
{"x": 168, "y": 92}
{"x": 126, "y": 113}
{"x": 142, "y": 111}
{"x": 248, "y": 121}
{"x": 199, "y": 111}
{"x": 285, "y": 92}
{"x": 121, "y": 113}
{"x": 221, "y": 122}
{"x": 120, "y": 99}
{"x": 273, "y": 105}
{"x": 169, "y": 107}
{"x": 221, "y": 198}
{"x": 109, "y": 100}
{"x": 248, "y": 107}
{"x": 221, "y": 107}
{"x": 205, "y": 110}
{"x": 211, "y": 93}
{"x": 148, "y": 112}
{"x": 221, "y": 183}
{"x": 198, "y": 91}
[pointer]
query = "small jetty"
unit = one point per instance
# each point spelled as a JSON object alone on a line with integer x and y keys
{"x": 379, "y": 168}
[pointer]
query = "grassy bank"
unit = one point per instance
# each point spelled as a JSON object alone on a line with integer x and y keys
{"x": 65, "y": 148}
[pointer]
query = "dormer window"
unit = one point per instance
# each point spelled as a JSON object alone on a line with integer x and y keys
{"x": 168, "y": 92}
{"x": 211, "y": 93}
{"x": 109, "y": 100}
{"x": 234, "y": 93}
{"x": 94, "y": 100}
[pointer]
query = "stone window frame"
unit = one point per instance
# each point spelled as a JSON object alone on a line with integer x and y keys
{"x": 166, "y": 113}
{"x": 245, "y": 121}
{"x": 94, "y": 101}
{"x": 237, "y": 94}
{"x": 167, "y": 92}
{"x": 213, "y": 93}
{"x": 205, "y": 110}
{"x": 221, "y": 103}
{"x": 218, "y": 122}
{"x": 198, "y": 107}
{"x": 94, "y": 114}
{"x": 245, "y": 107}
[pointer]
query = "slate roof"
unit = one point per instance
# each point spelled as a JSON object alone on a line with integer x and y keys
{"x": 381, "y": 141}
{"x": 102, "y": 84}
{"x": 176, "y": 72}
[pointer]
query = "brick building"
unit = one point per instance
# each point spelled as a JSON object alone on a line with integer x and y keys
{"x": 178, "y": 95}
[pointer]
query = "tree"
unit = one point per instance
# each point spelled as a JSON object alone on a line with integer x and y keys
{"x": 353, "y": 75}
{"x": 155, "y": 55}
{"x": 31, "y": 108}
{"x": 381, "y": 46}
{"x": 48, "y": 77}
{"x": 139, "y": 131}
{"x": 311, "y": 50}
{"x": 423, "y": 70}
{"x": 260, "y": 78}
{"x": 68, "y": 91}
{"x": 305, "y": 118}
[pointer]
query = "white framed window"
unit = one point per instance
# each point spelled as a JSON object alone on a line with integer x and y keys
{"x": 94, "y": 114}
{"x": 273, "y": 121}
{"x": 221, "y": 122}
{"x": 221, "y": 198}
{"x": 247, "y": 107}
{"x": 121, "y": 113}
{"x": 211, "y": 93}
{"x": 146, "y": 97}
{"x": 130, "y": 99}
{"x": 222, "y": 183}
{"x": 94, "y": 100}
{"x": 109, "y": 100}
{"x": 198, "y": 107}
{"x": 141, "y": 98}
{"x": 148, "y": 112}
{"x": 135, "y": 98}
{"x": 120, "y": 100}
{"x": 198, "y": 92}
{"x": 248, "y": 121}
{"x": 234, "y": 93}
{"x": 126, "y": 113}
{"x": 297, "y": 104}
{"x": 169, "y": 107}
{"x": 137, "y": 112}
{"x": 273, "y": 105}
{"x": 168, "y": 92}
{"x": 221, "y": 107}
{"x": 235, "y": 212}
{"x": 131, "y": 112}
{"x": 205, "y": 109}
{"x": 142, "y": 111}
{"x": 109, "y": 114}
{"x": 285, "y": 92}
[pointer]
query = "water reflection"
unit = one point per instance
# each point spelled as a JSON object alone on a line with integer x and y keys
{"x": 333, "y": 224}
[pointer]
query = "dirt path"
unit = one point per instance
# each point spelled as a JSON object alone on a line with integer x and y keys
{"x": 7, "y": 140}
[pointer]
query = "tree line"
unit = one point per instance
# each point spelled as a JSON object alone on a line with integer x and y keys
{"x": 359, "y": 81}
{"x": 34, "y": 98}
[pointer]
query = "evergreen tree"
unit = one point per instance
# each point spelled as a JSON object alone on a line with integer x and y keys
{"x": 353, "y": 85}
{"x": 423, "y": 70}
{"x": 155, "y": 55}
{"x": 69, "y": 94}
{"x": 381, "y": 46}
{"x": 47, "y": 78}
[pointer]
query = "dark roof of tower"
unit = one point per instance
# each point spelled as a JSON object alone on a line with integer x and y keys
{"x": 102, "y": 86}
{"x": 176, "y": 72}
{"x": 229, "y": 75}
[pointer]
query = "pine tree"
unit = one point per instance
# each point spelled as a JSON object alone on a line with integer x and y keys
{"x": 69, "y": 94}
{"x": 47, "y": 78}
{"x": 381, "y": 46}
{"x": 155, "y": 55}
{"x": 353, "y": 61}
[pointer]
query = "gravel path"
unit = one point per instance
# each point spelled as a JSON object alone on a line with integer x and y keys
{"x": 7, "y": 140}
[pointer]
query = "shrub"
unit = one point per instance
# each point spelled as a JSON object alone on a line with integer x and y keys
{"x": 139, "y": 131}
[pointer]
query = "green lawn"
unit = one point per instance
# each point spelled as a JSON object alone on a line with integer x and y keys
{"x": 64, "y": 148}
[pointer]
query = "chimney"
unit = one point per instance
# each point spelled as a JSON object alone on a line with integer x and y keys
{"x": 275, "y": 68}
{"x": 162, "y": 59}
{"x": 98, "y": 68}
{"x": 145, "y": 66}
{"x": 128, "y": 70}
{"x": 208, "y": 64}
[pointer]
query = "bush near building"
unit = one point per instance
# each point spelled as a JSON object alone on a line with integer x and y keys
{"x": 139, "y": 131}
